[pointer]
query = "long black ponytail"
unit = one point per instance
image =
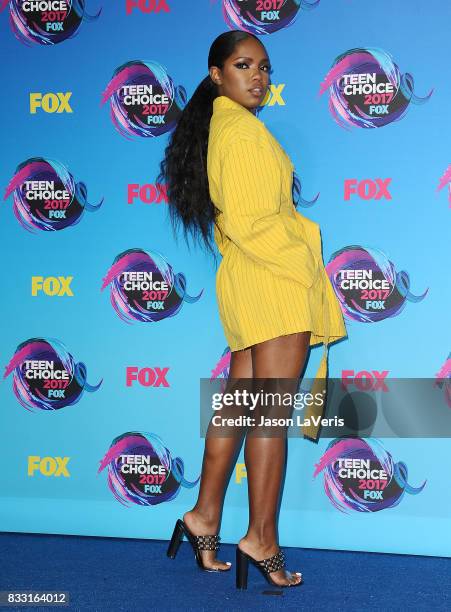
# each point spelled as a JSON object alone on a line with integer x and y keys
{"x": 184, "y": 166}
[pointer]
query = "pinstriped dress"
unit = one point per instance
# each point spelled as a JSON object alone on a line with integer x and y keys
{"x": 271, "y": 280}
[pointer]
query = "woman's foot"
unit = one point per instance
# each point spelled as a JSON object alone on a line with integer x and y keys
{"x": 260, "y": 551}
{"x": 198, "y": 526}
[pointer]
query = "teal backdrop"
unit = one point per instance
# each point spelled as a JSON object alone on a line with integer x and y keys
{"x": 57, "y": 476}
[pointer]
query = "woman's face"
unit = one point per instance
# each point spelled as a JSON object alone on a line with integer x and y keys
{"x": 245, "y": 74}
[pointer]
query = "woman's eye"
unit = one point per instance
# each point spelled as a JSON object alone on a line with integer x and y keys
{"x": 265, "y": 68}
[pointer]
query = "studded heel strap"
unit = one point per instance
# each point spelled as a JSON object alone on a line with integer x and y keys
{"x": 274, "y": 563}
{"x": 207, "y": 542}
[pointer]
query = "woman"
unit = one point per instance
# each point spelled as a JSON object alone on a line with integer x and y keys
{"x": 224, "y": 169}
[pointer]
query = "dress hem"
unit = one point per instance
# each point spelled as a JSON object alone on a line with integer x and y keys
{"x": 272, "y": 335}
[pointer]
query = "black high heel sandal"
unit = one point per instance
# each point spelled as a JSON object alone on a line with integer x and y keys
{"x": 205, "y": 542}
{"x": 266, "y": 566}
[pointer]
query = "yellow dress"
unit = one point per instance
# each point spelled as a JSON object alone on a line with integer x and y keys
{"x": 271, "y": 281}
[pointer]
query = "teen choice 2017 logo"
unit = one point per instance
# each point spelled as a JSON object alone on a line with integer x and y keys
{"x": 46, "y": 22}
{"x": 367, "y": 90}
{"x": 143, "y": 99}
{"x": 46, "y": 196}
{"x": 46, "y": 376}
{"x": 145, "y": 288}
{"x": 361, "y": 476}
{"x": 367, "y": 284}
{"x": 142, "y": 471}
{"x": 263, "y": 16}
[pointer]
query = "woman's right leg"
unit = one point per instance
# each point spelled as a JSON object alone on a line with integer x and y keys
{"x": 220, "y": 455}
{"x": 282, "y": 359}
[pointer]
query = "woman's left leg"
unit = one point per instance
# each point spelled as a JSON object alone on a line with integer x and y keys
{"x": 220, "y": 455}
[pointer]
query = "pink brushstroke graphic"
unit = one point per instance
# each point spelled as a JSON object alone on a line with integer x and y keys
{"x": 119, "y": 80}
{"x": 445, "y": 370}
{"x": 341, "y": 68}
{"x": 445, "y": 180}
{"x": 120, "y": 447}
{"x": 23, "y": 174}
{"x": 120, "y": 266}
{"x": 222, "y": 365}
{"x": 443, "y": 379}
{"x": 24, "y": 353}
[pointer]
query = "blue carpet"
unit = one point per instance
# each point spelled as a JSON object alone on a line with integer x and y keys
{"x": 124, "y": 574}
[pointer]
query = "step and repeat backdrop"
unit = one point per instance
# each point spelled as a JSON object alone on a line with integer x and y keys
{"x": 109, "y": 321}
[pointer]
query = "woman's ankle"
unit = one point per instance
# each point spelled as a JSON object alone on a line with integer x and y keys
{"x": 201, "y": 517}
{"x": 262, "y": 538}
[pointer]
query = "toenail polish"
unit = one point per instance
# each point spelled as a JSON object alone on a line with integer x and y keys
{"x": 228, "y": 563}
